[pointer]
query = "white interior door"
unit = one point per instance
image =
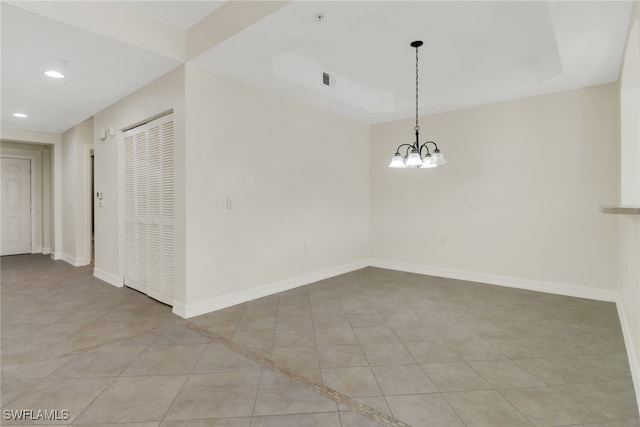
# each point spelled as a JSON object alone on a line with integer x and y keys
{"x": 148, "y": 209}
{"x": 16, "y": 206}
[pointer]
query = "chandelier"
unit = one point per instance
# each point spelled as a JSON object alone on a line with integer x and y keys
{"x": 413, "y": 154}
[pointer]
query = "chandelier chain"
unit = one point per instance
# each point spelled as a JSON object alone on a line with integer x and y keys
{"x": 417, "y": 127}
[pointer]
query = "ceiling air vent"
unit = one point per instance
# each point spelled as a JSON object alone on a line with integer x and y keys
{"x": 326, "y": 79}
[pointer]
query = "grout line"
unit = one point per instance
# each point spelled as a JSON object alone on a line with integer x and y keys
{"x": 327, "y": 392}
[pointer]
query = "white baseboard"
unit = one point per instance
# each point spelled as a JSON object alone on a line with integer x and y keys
{"x": 46, "y": 251}
{"x": 631, "y": 350}
{"x": 76, "y": 262}
{"x": 110, "y": 278}
{"x": 179, "y": 309}
{"x": 36, "y": 250}
{"x": 492, "y": 279}
{"x": 56, "y": 256}
{"x": 213, "y": 304}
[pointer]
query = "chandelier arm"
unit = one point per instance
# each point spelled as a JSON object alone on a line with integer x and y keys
{"x": 402, "y": 145}
{"x": 430, "y": 142}
{"x": 425, "y": 147}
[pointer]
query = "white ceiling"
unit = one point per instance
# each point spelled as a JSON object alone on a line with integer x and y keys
{"x": 179, "y": 14}
{"x": 475, "y": 53}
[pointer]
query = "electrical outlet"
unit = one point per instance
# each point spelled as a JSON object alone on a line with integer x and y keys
{"x": 229, "y": 203}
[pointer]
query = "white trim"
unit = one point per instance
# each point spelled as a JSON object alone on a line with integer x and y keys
{"x": 76, "y": 262}
{"x": 179, "y": 309}
{"x": 631, "y": 350}
{"x": 33, "y": 186}
{"x": 213, "y": 304}
{"x": 492, "y": 279}
{"x": 110, "y": 278}
{"x": 86, "y": 189}
{"x": 36, "y": 250}
{"x": 46, "y": 251}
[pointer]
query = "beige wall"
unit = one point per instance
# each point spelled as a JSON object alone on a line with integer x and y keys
{"x": 164, "y": 94}
{"x": 75, "y": 194}
{"x": 297, "y": 179}
{"x": 629, "y": 225}
{"x": 518, "y": 202}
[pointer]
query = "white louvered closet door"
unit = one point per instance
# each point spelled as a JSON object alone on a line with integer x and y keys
{"x": 149, "y": 243}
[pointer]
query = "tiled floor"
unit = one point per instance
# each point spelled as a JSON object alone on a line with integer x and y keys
{"x": 398, "y": 348}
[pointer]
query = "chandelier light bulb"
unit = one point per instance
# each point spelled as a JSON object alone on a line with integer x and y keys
{"x": 397, "y": 161}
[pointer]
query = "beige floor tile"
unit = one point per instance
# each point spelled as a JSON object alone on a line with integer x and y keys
{"x": 341, "y": 356}
{"x": 424, "y": 410}
{"x": 220, "y": 395}
{"x": 218, "y": 358}
{"x": 552, "y": 370}
{"x": 399, "y": 316}
{"x": 330, "y": 321}
{"x": 599, "y": 343}
{"x": 294, "y": 338}
{"x": 354, "y": 419}
{"x": 602, "y": 367}
{"x": 606, "y": 401}
{"x": 474, "y": 350}
{"x": 453, "y": 331}
{"x": 13, "y": 387}
{"x": 419, "y": 333}
{"x": 505, "y": 374}
{"x": 376, "y": 335}
{"x": 37, "y": 369}
{"x": 327, "y": 307}
{"x": 102, "y": 329}
{"x": 432, "y": 352}
{"x": 101, "y": 362}
{"x": 278, "y": 395}
{"x": 147, "y": 424}
{"x": 403, "y": 379}
{"x": 485, "y": 409}
{"x": 378, "y": 403}
{"x": 366, "y": 320}
{"x": 257, "y": 323}
{"x": 294, "y": 310}
{"x": 627, "y": 422}
{"x": 166, "y": 360}
{"x": 208, "y": 422}
{"x": 294, "y": 322}
{"x": 545, "y": 407}
{"x": 71, "y": 394}
{"x": 354, "y": 382}
{"x": 303, "y": 360}
{"x": 341, "y": 336}
{"x": 399, "y": 319}
{"x": 387, "y": 354}
{"x": 134, "y": 399}
{"x": 254, "y": 339}
{"x": 455, "y": 376}
{"x": 298, "y": 420}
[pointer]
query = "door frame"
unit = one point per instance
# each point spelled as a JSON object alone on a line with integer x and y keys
{"x": 86, "y": 189}
{"x": 33, "y": 213}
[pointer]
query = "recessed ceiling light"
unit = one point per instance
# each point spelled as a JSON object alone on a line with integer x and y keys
{"x": 21, "y": 115}
{"x": 54, "y": 74}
